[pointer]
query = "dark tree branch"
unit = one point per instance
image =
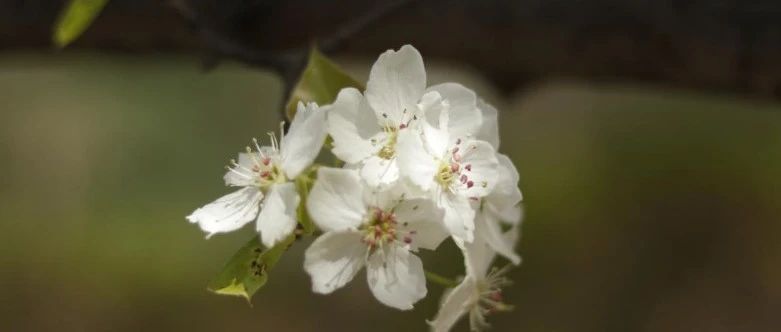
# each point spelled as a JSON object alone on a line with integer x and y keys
{"x": 336, "y": 39}
{"x": 712, "y": 45}
{"x": 287, "y": 63}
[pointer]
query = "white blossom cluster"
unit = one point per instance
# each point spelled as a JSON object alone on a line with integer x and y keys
{"x": 420, "y": 165}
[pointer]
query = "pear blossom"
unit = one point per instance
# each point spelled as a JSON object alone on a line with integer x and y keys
{"x": 365, "y": 127}
{"x": 421, "y": 164}
{"x": 479, "y": 293}
{"x": 376, "y": 229}
{"x": 501, "y": 206}
{"x": 265, "y": 175}
{"x": 446, "y": 161}
{"x": 489, "y": 128}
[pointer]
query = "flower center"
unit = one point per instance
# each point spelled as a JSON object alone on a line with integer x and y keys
{"x": 447, "y": 172}
{"x": 267, "y": 176}
{"x": 379, "y": 228}
{"x": 488, "y": 299}
{"x": 388, "y": 150}
{"x": 451, "y": 173}
{"x": 261, "y": 171}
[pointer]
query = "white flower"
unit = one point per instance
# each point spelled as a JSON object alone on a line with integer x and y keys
{"x": 447, "y": 162}
{"x": 489, "y": 130}
{"x": 373, "y": 229}
{"x": 501, "y": 205}
{"x": 265, "y": 175}
{"x": 480, "y": 292}
{"x": 365, "y": 127}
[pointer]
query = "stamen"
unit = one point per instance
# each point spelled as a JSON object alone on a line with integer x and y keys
{"x": 252, "y": 154}
{"x": 237, "y": 165}
{"x": 257, "y": 146}
{"x": 379, "y": 229}
{"x": 234, "y": 171}
{"x": 274, "y": 142}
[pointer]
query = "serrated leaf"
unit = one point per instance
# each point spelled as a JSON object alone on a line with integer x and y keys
{"x": 320, "y": 82}
{"x": 75, "y": 19}
{"x": 247, "y": 271}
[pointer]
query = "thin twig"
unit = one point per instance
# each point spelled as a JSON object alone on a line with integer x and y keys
{"x": 440, "y": 280}
{"x": 337, "y": 38}
{"x": 287, "y": 63}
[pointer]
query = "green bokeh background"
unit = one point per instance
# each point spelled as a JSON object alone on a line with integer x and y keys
{"x": 646, "y": 209}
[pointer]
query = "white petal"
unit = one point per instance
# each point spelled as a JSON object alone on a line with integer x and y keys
{"x": 512, "y": 215}
{"x": 352, "y": 124}
{"x": 415, "y": 163}
{"x": 277, "y": 218}
{"x": 459, "y": 217}
{"x": 228, "y": 213}
{"x": 303, "y": 141}
{"x": 336, "y": 200}
{"x": 396, "y": 277}
{"x": 489, "y": 229}
{"x": 436, "y": 135}
{"x": 455, "y": 303}
{"x": 387, "y": 197}
{"x": 489, "y": 131}
{"x": 333, "y": 259}
{"x": 505, "y": 197}
{"x": 478, "y": 257}
{"x": 378, "y": 171}
{"x": 396, "y": 83}
{"x": 465, "y": 118}
{"x": 420, "y": 221}
{"x": 483, "y": 167}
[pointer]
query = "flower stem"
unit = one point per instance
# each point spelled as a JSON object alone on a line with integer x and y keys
{"x": 440, "y": 280}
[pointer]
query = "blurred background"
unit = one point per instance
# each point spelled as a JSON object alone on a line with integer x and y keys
{"x": 652, "y": 200}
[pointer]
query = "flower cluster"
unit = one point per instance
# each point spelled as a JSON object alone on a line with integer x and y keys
{"x": 419, "y": 165}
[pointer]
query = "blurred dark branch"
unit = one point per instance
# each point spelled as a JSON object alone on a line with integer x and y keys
{"x": 336, "y": 39}
{"x": 288, "y": 63}
{"x": 718, "y": 45}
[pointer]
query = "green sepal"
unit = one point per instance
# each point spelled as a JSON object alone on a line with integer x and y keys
{"x": 247, "y": 271}
{"x": 320, "y": 82}
{"x": 304, "y": 183}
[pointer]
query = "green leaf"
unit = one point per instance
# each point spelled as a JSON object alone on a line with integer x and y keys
{"x": 320, "y": 82}
{"x": 75, "y": 19}
{"x": 247, "y": 271}
{"x": 303, "y": 184}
